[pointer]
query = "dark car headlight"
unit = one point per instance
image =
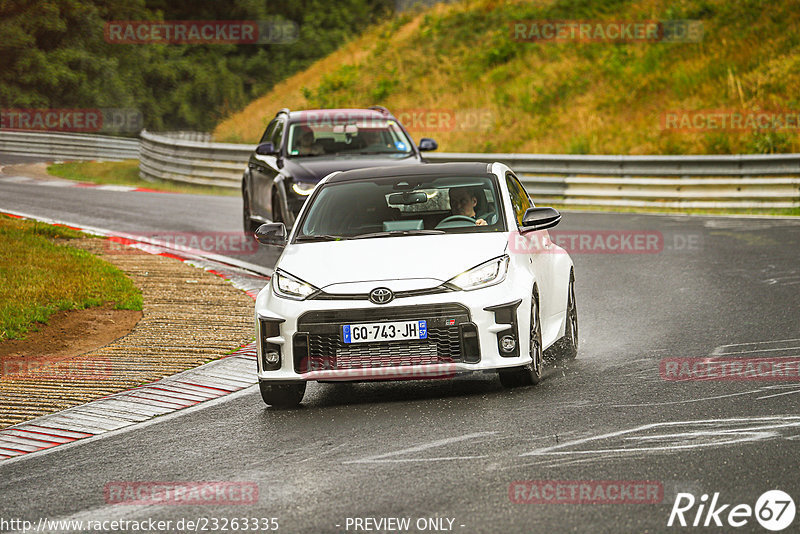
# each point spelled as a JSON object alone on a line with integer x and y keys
{"x": 303, "y": 188}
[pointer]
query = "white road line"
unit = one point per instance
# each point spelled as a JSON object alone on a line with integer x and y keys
{"x": 779, "y": 394}
{"x": 719, "y": 350}
{"x": 410, "y": 460}
{"x": 108, "y": 187}
{"x": 728, "y": 436}
{"x": 687, "y": 401}
{"x": 379, "y": 458}
{"x": 760, "y": 350}
{"x": 56, "y": 183}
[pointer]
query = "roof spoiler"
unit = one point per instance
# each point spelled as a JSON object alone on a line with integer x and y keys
{"x": 381, "y": 109}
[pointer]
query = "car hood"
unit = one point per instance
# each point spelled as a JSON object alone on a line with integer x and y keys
{"x": 400, "y": 263}
{"x": 314, "y": 169}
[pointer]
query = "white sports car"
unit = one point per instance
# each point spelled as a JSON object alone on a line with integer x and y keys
{"x": 414, "y": 272}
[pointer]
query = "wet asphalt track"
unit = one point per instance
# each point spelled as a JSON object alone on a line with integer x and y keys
{"x": 451, "y": 449}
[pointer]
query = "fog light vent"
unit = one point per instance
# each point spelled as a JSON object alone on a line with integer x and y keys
{"x": 272, "y": 357}
{"x": 508, "y": 343}
{"x": 270, "y": 352}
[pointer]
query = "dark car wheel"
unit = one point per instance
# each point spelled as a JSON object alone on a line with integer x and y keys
{"x": 282, "y": 395}
{"x": 531, "y": 374}
{"x": 277, "y": 213}
{"x": 567, "y": 346}
{"x": 247, "y": 222}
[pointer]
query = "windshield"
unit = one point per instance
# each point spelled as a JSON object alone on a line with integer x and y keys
{"x": 387, "y": 207}
{"x": 347, "y": 136}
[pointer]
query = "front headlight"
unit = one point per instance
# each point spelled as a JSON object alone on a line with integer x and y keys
{"x": 303, "y": 189}
{"x": 287, "y": 286}
{"x": 486, "y": 274}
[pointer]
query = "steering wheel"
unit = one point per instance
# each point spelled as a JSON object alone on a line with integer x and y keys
{"x": 490, "y": 217}
{"x": 456, "y": 218}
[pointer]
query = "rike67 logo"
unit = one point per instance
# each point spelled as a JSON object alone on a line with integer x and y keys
{"x": 774, "y": 510}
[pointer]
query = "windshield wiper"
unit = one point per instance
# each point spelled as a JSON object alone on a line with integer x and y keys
{"x": 320, "y": 237}
{"x": 372, "y": 152}
{"x": 294, "y": 156}
{"x": 398, "y": 232}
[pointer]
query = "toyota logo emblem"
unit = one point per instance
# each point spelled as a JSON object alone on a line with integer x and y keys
{"x": 381, "y": 295}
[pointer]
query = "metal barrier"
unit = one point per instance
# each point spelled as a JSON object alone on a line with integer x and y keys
{"x": 704, "y": 182}
{"x": 68, "y": 146}
{"x": 701, "y": 182}
{"x": 180, "y": 160}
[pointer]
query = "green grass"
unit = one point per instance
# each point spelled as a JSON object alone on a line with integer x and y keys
{"x": 127, "y": 173}
{"x": 570, "y": 97}
{"x": 39, "y": 277}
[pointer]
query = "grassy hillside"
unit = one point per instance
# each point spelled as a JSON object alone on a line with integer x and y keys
{"x": 565, "y": 97}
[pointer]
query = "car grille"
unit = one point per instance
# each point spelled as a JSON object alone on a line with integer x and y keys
{"x": 318, "y": 343}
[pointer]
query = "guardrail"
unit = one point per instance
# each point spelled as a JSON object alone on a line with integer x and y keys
{"x": 180, "y": 160}
{"x": 703, "y": 182}
{"x": 68, "y": 146}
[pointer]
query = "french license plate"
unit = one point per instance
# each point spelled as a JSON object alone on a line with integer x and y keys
{"x": 393, "y": 331}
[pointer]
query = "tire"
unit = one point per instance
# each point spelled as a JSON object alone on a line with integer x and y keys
{"x": 247, "y": 222}
{"x": 530, "y": 374}
{"x": 277, "y": 213}
{"x": 567, "y": 346}
{"x": 282, "y": 395}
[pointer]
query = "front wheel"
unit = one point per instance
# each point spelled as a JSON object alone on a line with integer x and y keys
{"x": 247, "y": 222}
{"x": 282, "y": 395}
{"x": 567, "y": 346}
{"x": 277, "y": 212}
{"x": 530, "y": 374}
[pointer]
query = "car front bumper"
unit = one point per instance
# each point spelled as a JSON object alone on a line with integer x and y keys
{"x": 465, "y": 328}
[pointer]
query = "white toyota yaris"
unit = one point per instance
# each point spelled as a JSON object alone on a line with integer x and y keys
{"x": 414, "y": 272}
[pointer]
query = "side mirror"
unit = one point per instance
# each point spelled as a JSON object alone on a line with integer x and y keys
{"x": 266, "y": 149}
{"x": 271, "y": 234}
{"x": 540, "y": 219}
{"x": 426, "y": 144}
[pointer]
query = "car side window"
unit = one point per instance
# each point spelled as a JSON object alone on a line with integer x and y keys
{"x": 277, "y": 135}
{"x": 519, "y": 198}
{"x": 267, "y": 137}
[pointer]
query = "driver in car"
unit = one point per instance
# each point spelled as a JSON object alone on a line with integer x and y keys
{"x": 463, "y": 202}
{"x": 372, "y": 140}
{"x": 306, "y": 146}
